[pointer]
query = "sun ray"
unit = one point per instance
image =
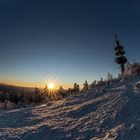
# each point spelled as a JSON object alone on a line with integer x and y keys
{"x": 51, "y": 88}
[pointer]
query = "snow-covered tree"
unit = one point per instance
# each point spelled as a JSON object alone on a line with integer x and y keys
{"x": 85, "y": 86}
{"x": 109, "y": 77}
{"x": 133, "y": 69}
{"x": 36, "y": 95}
{"x": 76, "y": 87}
{"x": 61, "y": 91}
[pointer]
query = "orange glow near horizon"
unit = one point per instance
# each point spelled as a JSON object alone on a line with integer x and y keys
{"x": 38, "y": 84}
{"x": 21, "y": 83}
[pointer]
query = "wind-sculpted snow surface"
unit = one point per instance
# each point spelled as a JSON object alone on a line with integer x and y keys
{"x": 109, "y": 114}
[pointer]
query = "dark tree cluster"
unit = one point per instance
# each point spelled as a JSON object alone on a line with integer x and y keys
{"x": 22, "y": 98}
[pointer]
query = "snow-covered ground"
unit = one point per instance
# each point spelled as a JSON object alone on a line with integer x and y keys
{"x": 106, "y": 114}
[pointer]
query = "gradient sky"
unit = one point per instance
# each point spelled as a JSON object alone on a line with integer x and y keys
{"x": 71, "y": 40}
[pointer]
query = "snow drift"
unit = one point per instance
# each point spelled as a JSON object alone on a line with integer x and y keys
{"x": 107, "y": 114}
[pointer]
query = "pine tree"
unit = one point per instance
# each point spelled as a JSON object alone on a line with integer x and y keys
{"x": 46, "y": 92}
{"x": 76, "y": 87}
{"x": 61, "y": 91}
{"x": 92, "y": 85}
{"x": 13, "y": 98}
{"x": 86, "y": 86}
{"x": 36, "y": 94}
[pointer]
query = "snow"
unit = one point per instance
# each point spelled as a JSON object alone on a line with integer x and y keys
{"x": 108, "y": 114}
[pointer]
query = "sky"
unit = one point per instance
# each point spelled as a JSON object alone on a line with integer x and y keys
{"x": 67, "y": 40}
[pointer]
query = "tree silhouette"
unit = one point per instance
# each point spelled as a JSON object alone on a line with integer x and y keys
{"x": 36, "y": 95}
{"x": 76, "y": 87}
{"x": 86, "y": 86}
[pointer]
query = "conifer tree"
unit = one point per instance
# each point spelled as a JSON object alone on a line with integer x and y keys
{"x": 76, "y": 87}
{"x": 36, "y": 94}
{"x": 86, "y": 86}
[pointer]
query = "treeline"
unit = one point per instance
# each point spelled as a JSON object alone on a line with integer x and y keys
{"x": 38, "y": 96}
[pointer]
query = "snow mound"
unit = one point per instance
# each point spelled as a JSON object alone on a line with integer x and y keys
{"x": 109, "y": 114}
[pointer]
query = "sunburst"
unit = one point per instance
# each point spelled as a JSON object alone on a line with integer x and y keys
{"x": 51, "y": 88}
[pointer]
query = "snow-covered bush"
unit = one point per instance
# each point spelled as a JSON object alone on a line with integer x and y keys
{"x": 10, "y": 105}
{"x": 2, "y": 105}
{"x": 7, "y": 105}
{"x": 133, "y": 69}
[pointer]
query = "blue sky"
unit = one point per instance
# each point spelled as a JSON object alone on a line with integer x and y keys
{"x": 68, "y": 39}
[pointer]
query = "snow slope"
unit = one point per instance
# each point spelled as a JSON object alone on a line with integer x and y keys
{"x": 106, "y": 114}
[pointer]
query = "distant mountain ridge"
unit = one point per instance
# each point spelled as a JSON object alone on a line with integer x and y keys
{"x": 14, "y": 88}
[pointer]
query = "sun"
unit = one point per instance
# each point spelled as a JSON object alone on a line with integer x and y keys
{"x": 51, "y": 85}
{"x": 51, "y": 90}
